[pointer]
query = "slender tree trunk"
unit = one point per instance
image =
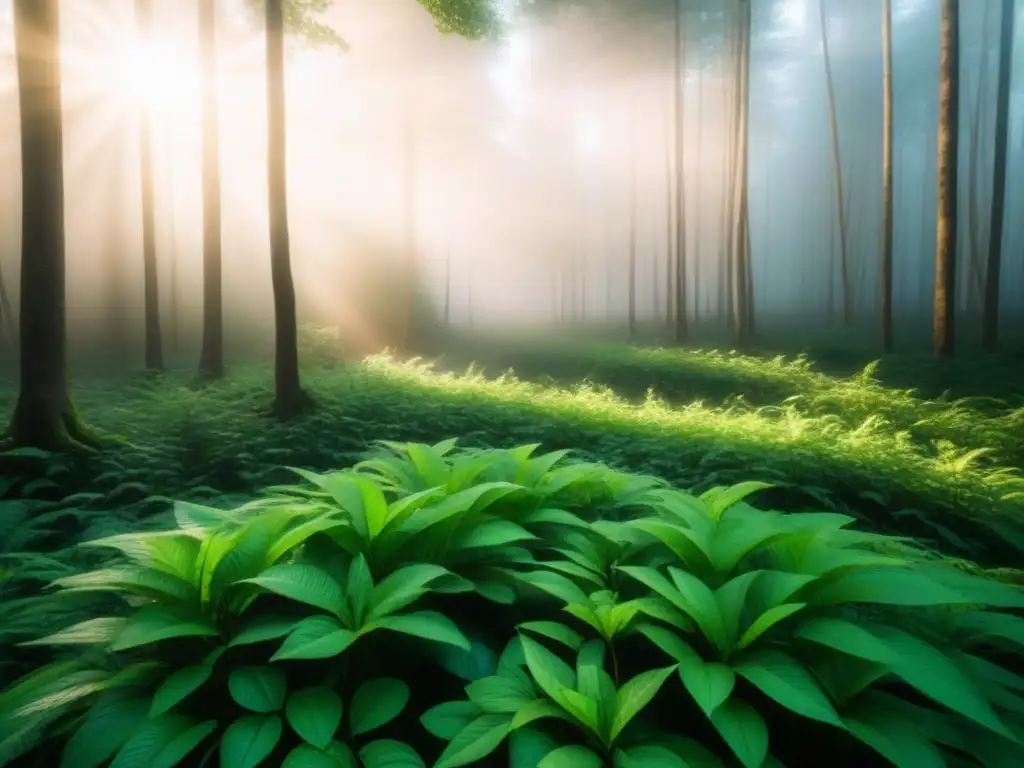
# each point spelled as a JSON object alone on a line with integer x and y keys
{"x": 837, "y": 164}
{"x": 990, "y": 306}
{"x": 669, "y": 226}
{"x": 698, "y": 220}
{"x": 174, "y": 311}
{"x": 6, "y": 312}
{"x": 731, "y": 107}
{"x": 632, "y": 224}
{"x": 887, "y": 175}
{"x": 44, "y": 416}
{"x": 289, "y": 399}
{"x": 976, "y": 236}
{"x": 944, "y": 327}
{"x": 740, "y": 186}
{"x": 211, "y": 358}
{"x": 154, "y": 353}
{"x": 448, "y": 287}
{"x": 682, "y": 329}
{"x": 410, "y": 276}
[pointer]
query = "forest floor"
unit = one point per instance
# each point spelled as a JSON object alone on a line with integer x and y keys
{"x": 945, "y": 471}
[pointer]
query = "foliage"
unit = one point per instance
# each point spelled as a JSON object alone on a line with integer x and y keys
{"x": 240, "y": 630}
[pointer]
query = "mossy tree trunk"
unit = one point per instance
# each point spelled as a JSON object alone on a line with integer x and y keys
{"x": 44, "y": 416}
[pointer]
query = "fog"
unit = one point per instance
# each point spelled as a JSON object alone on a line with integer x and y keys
{"x": 509, "y": 167}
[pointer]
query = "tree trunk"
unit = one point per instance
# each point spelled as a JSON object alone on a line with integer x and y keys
{"x": 289, "y": 399}
{"x": 740, "y": 186}
{"x": 632, "y": 225}
{"x": 669, "y": 226}
{"x": 887, "y": 175}
{"x": 154, "y": 356}
{"x": 6, "y": 312}
{"x": 409, "y": 277}
{"x": 211, "y": 358}
{"x": 837, "y": 164}
{"x": 448, "y": 287}
{"x": 681, "y": 328}
{"x": 44, "y": 416}
{"x": 944, "y": 326}
{"x": 990, "y": 306}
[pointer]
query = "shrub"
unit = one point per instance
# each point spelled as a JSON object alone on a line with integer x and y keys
{"x": 242, "y": 633}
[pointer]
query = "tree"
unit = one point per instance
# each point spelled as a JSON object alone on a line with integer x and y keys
{"x": 837, "y": 165}
{"x": 211, "y": 357}
{"x": 289, "y": 398}
{"x": 154, "y": 355}
{"x": 990, "y": 306}
{"x": 632, "y": 223}
{"x": 740, "y": 185}
{"x": 944, "y": 320}
{"x": 679, "y": 102}
{"x": 44, "y": 416}
{"x": 887, "y": 223}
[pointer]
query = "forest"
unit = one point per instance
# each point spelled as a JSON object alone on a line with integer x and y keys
{"x": 647, "y": 376}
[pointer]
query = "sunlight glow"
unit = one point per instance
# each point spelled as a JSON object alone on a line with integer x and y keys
{"x": 588, "y": 137}
{"x": 155, "y": 74}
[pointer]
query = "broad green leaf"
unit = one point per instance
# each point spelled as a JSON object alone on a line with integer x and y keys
{"x": 103, "y": 630}
{"x": 847, "y": 637}
{"x": 246, "y": 553}
{"x": 528, "y": 746}
{"x": 177, "y": 686}
{"x": 731, "y": 599}
{"x": 249, "y": 740}
{"x": 111, "y": 721}
{"x": 298, "y": 534}
{"x": 314, "y": 713}
{"x": 479, "y": 661}
{"x": 308, "y": 756}
{"x": 429, "y": 625}
{"x": 304, "y": 583}
{"x": 182, "y": 745}
{"x": 648, "y": 756}
{"x": 388, "y": 753}
{"x": 550, "y": 672}
{"x": 173, "y": 552}
{"x": 146, "y": 582}
{"x": 585, "y": 710}
{"x": 555, "y": 585}
{"x": 376, "y": 703}
{"x": 725, "y": 498}
{"x": 635, "y": 695}
{"x": 669, "y": 642}
{"x": 148, "y": 741}
{"x": 259, "y": 689}
{"x": 447, "y": 719}
{"x": 888, "y": 587}
{"x": 744, "y": 730}
{"x": 767, "y": 620}
{"x": 402, "y": 587}
{"x": 261, "y": 629}
{"x": 700, "y": 603}
{"x": 358, "y": 588}
{"x": 499, "y": 694}
{"x": 571, "y": 756}
{"x": 555, "y": 631}
{"x": 152, "y": 624}
{"x": 894, "y": 737}
{"x": 476, "y": 741}
{"x": 686, "y": 544}
{"x": 709, "y": 683}
{"x": 316, "y": 637}
{"x": 785, "y": 680}
{"x": 536, "y": 710}
{"x": 494, "y": 533}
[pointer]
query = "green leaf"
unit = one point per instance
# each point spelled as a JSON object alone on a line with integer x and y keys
{"x": 670, "y": 643}
{"x": 648, "y": 756}
{"x": 499, "y": 694}
{"x": 308, "y": 756}
{"x": 555, "y": 631}
{"x": 388, "y": 753}
{"x": 358, "y": 588}
{"x": 111, "y": 721}
{"x": 476, "y": 741}
{"x": 403, "y": 587}
{"x": 710, "y": 684}
{"x": 152, "y": 624}
{"x": 893, "y": 736}
{"x": 887, "y": 587}
{"x": 479, "y": 661}
{"x": 249, "y": 740}
{"x": 304, "y": 583}
{"x": 314, "y": 713}
{"x": 148, "y": 741}
{"x": 259, "y": 689}
{"x": 550, "y": 672}
{"x": 316, "y": 637}
{"x": 847, "y": 637}
{"x": 635, "y": 695}
{"x": 376, "y": 703}
{"x": 177, "y": 686}
{"x": 536, "y": 710}
{"x": 182, "y": 745}
{"x": 718, "y": 503}
{"x": 585, "y": 710}
{"x": 103, "y": 630}
{"x": 555, "y": 585}
{"x": 261, "y": 629}
{"x": 743, "y": 730}
{"x": 447, "y": 719}
{"x": 785, "y": 680}
{"x": 766, "y": 621}
{"x": 571, "y": 756}
{"x": 430, "y": 625}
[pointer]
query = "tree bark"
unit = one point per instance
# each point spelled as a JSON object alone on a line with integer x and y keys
{"x": 944, "y": 321}
{"x": 990, "y": 305}
{"x": 740, "y": 186}
{"x": 44, "y": 416}
{"x": 632, "y": 224}
{"x": 681, "y": 327}
{"x": 837, "y": 164}
{"x": 887, "y": 176}
{"x": 289, "y": 399}
{"x": 211, "y": 358}
{"x": 154, "y": 354}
